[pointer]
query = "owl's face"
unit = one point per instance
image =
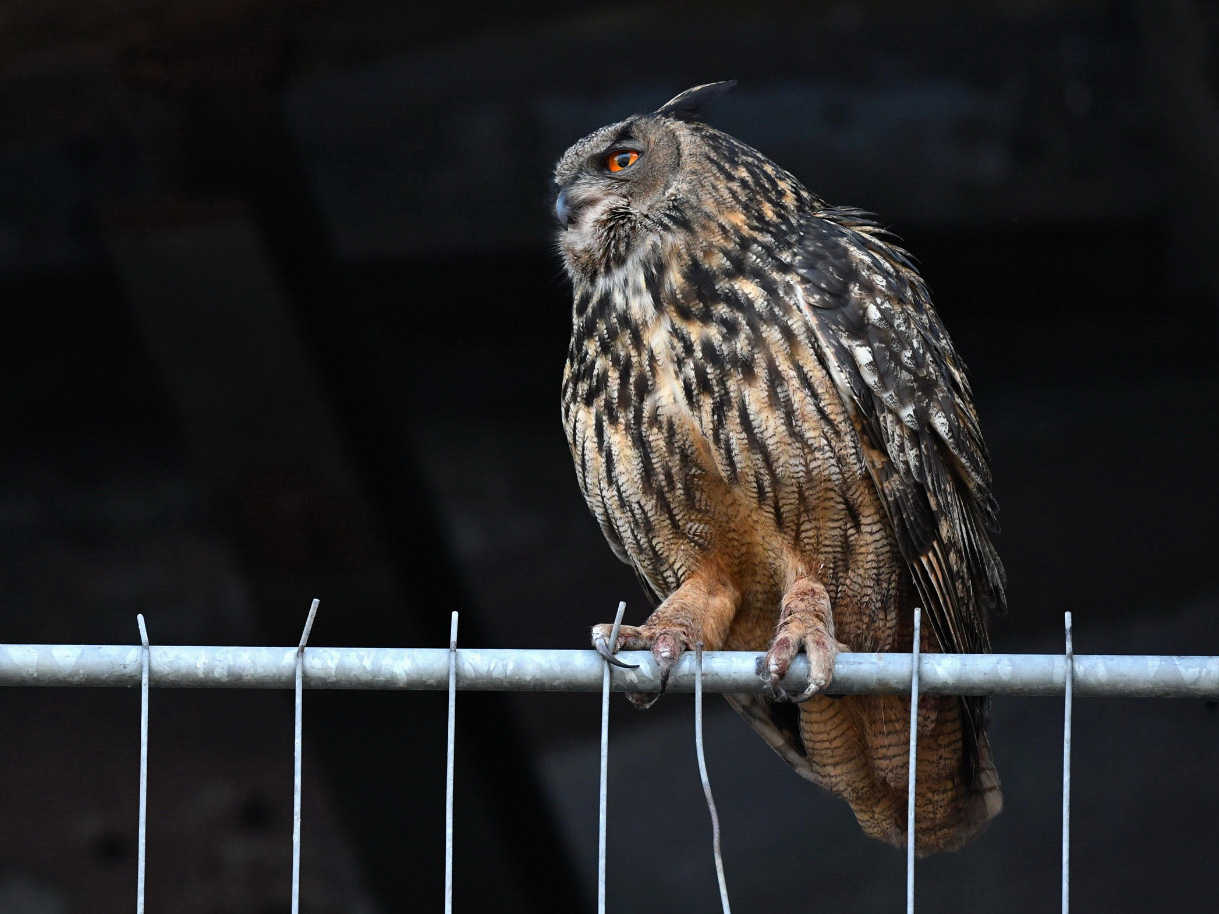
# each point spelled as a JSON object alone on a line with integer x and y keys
{"x": 611, "y": 186}
{"x": 662, "y": 180}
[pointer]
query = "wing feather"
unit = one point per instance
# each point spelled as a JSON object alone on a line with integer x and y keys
{"x": 913, "y": 410}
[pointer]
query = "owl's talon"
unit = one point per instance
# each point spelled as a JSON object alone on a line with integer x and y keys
{"x": 770, "y": 686}
{"x": 604, "y": 651}
{"x": 645, "y": 700}
{"x": 601, "y": 635}
{"x": 814, "y": 686}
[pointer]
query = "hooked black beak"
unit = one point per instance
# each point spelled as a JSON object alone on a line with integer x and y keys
{"x": 562, "y": 209}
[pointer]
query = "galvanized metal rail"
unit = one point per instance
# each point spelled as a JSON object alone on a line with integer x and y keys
{"x": 583, "y": 671}
{"x": 914, "y": 673}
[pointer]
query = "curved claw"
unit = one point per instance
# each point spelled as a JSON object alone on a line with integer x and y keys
{"x": 604, "y": 651}
{"x": 809, "y": 691}
{"x": 644, "y": 700}
{"x": 770, "y": 687}
{"x": 818, "y": 679}
{"x": 664, "y": 679}
{"x": 779, "y": 694}
{"x": 775, "y": 691}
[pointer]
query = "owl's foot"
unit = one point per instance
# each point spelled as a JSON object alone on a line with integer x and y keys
{"x": 805, "y": 622}
{"x": 783, "y": 650}
{"x": 665, "y": 642}
{"x": 701, "y": 609}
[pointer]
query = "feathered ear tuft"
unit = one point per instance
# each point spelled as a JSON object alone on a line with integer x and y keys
{"x": 689, "y": 105}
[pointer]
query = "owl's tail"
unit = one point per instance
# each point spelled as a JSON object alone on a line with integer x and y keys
{"x": 958, "y": 787}
{"x": 985, "y": 798}
{"x": 850, "y": 746}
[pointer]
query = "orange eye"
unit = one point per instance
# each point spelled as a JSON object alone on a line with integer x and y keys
{"x": 623, "y": 158}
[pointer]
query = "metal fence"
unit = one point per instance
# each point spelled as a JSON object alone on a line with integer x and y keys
{"x": 697, "y": 671}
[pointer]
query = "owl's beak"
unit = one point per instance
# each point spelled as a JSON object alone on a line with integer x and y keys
{"x": 562, "y": 208}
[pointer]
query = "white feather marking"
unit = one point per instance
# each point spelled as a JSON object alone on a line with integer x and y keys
{"x": 940, "y": 421}
{"x": 908, "y": 416}
{"x": 867, "y": 365}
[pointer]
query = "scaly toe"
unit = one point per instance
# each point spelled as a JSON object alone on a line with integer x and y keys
{"x": 773, "y": 667}
{"x": 820, "y": 672}
{"x": 666, "y": 650}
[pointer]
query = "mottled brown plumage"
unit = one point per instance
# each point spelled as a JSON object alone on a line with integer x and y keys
{"x": 771, "y": 425}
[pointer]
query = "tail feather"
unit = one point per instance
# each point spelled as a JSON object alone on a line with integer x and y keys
{"x": 880, "y": 803}
{"x": 985, "y": 799}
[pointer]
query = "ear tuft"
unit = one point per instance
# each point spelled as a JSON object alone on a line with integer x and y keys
{"x": 689, "y": 105}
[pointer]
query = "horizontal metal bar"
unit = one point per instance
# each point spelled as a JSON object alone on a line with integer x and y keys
{"x": 581, "y": 671}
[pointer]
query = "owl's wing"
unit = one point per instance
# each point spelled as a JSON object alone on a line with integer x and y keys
{"x": 906, "y": 389}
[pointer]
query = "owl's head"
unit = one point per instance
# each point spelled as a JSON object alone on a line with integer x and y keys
{"x": 626, "y": 182}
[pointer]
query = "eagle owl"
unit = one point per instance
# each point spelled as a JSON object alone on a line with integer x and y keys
{"x": 771, "y": 425}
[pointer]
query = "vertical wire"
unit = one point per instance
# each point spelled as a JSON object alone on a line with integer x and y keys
{"x": 910, "y": 786}
{"x": 448, "y": 777}
{"x": 145, "y": 663}
{"x": 604, "y": 804}
{"x": 296, "y": 770}
{"x": 702, "y": 770}
{"x": 1068, "y": 688}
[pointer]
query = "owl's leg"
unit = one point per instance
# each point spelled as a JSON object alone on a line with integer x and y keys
{"x": 700, "y": 610}
{"x": 805, "y": 621}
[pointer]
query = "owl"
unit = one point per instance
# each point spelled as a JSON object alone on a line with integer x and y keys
{"x": 772, "y": 427}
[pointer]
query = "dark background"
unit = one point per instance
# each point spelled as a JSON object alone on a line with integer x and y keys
{"x": 281, "y": 317}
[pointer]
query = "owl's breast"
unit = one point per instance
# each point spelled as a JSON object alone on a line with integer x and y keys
{"x": 642, "y": 461}
{"x": 703, "y": 425}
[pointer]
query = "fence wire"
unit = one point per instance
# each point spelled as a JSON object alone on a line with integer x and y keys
{"x": 165, "y": 666}
{"x": 143, "y": 832}
{"x": 298, "y": 755}
{"x": 1068, "y": 692}
{"x": 915, "y": 670}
